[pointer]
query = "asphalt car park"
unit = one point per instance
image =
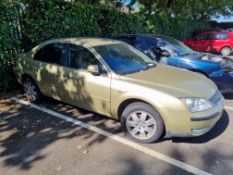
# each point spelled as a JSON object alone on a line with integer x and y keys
{"x": 56, "y": 138}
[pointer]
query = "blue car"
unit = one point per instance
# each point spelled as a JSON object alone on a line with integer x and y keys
{"x": 167, "y": 50}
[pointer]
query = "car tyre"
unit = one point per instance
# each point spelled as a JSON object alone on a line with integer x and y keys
{"x": 31, "y": 90}
{"x": 142, "y": 123}
{"x": 226, "y": 51}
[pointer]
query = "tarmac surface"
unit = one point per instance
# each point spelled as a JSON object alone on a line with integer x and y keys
{"x": 35, "y": 142}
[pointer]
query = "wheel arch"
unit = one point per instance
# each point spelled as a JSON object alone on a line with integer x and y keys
{"x": 25, "y": 76}
{"x": 126, "y": 102}
{"x": 226, "y": 46}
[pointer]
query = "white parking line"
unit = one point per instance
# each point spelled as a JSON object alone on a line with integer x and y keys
{"x": 228, "y": 107}
{"x": 119, "y": 139}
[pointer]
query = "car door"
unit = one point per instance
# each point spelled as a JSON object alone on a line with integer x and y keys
{"x": 163, "y": 46}
{"x": 83, "y": 88}
{"x": 203, "y": 42}
{"x": 197, "y": 41}
{"x": 48, "y": 68}
{"x": 209, "y": 42}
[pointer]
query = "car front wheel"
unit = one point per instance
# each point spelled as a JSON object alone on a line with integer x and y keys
{"x": 142, "y": 123}
{"x": 32, "y": 91}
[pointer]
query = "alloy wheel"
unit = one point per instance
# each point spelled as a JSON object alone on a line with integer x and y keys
{"x": 30, "y": 90}
{"x": 141, "y": 125}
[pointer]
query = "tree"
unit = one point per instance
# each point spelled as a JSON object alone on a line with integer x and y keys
{"x": 192, "y": 9}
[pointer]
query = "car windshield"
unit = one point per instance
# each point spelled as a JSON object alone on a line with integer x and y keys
{"x": 177, "y": 47}
{"x": 124, "y": 59}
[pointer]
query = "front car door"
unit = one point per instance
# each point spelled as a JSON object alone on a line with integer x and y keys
{"x": 81, "y": 87}
{"x": 197, "y": 42}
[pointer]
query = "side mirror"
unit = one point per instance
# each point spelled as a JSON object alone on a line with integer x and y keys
{"x": 93, "y": 69}
{"x": 165, "y": 53}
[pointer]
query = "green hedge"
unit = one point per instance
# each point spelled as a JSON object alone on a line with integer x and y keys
{"x": 9, "y": 44}
{"x": 178, "y": 27}
{"x": 41, "y": 20}
{"x": 55, "y": 20}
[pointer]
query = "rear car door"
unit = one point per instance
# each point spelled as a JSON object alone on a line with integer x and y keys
{"x": 209, "y": 42}
{"x": 81, "y": 87}
{"x": 48, "y": 68}
{"x": 205, "y": 42}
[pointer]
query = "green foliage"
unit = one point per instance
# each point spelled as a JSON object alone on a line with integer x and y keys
{"x": 8, "y": 46}
{"x": 55, "y": 20}
{"x": 8, "y": 81}
{"x": 178, "y": 27}
{"x": 190, "y": 9}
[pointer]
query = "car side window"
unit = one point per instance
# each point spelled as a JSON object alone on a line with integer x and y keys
{"x": 206, "y": 37}
{"x": 221, "y": 36}
{"x": 81, "y": 58}
{"x": 150, "y": 42}
{"x": 51, "y": 53}
{"x": 38, "y": 55}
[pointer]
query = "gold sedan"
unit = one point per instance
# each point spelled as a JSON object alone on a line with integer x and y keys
{"x": 116, "y": 80}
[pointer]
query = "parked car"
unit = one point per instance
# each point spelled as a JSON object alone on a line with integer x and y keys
{"x": 115, "y": 79}
{"x": 213, "y": 42}
{"x": 170, "y": 51}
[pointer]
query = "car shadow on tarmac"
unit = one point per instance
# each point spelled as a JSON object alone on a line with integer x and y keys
{"x": 26, "y": 132}
{"x": 228, "y": 97}
{"x": 216, "y": 131}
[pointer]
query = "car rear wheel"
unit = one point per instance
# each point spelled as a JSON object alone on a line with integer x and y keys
{"x": 32, "y": 90}
{"x": 142, "y": 123}
{"x": 225, "y": 51}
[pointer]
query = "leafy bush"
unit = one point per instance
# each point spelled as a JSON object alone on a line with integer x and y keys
{"x": 178, "y": 27}
{"x": 8, "y": 46}
{"x": 76, "y": 20}
{"x": 8, "y": 81}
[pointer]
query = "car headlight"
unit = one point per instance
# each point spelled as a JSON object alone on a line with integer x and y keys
{"x": 197, "y": 104}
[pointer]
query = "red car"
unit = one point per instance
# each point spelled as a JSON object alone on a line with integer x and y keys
{"x": 214, "y": 42}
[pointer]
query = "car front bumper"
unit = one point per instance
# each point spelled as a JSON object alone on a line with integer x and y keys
{"x": 199, "y": 128}
{"x": 197, "y": 123}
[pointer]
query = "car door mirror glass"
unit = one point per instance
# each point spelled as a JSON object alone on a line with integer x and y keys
{"x": 165, "y": 53}
{"x": 93, "y": 69}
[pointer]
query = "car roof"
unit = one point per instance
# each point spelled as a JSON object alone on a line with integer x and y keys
{"x": 89, "y": 41}
{"x": 146, "y": 35}
{"x": 216, "y": 32}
